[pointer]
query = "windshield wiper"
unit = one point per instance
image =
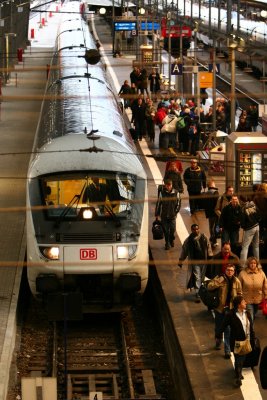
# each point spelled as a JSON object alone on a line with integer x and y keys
{"x": 113, "y": 215}
{"x": 74, "y": 200}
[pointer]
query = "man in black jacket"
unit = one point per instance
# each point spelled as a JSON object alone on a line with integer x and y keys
{"x": 198, "y": 250}
{"x": 167, "y": 208}
{"x": 195, "y": 179}
{"x": 230, "y": 221}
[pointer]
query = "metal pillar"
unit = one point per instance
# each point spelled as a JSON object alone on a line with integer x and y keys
{"x": 214, "y": 86}
{"x": 233, "y": 97}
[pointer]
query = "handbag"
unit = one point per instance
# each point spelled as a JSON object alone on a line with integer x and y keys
{"x": 157, "y": 230}
{"x": 242, "y": 347}
{"x": 209, "y": 298}
{"x": 264, "y": 307}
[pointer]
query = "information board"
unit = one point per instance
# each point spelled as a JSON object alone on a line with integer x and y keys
{"x": 150, "y": 26}
{"x": 125, "y": 26}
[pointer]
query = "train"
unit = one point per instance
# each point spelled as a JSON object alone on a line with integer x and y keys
{"x": 86, "y": 191}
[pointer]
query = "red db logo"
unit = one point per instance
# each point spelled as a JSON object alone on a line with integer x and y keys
{"x": 88, "y": 254}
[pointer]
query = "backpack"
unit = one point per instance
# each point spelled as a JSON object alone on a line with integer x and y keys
{"x": 209, "y": 298}
{"x": 180, "y": 124}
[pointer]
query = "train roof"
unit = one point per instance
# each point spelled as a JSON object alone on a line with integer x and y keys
{"x": 108, "y": 3}
{"x": 76, "y": 153}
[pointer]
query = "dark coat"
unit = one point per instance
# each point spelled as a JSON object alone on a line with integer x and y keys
{"x": 195, "y": 179}
{"x": 211, "y": 197}
{"x": 188, "y": 251}
{"x": 168, "y": 204}
{"x": 250, "y": 216}
{"x": 237, "y": 331}
{"x": 230, "y": 218}
{"x": 176, "y": 180}
{"x": 260, "y": 199}
{"x": 215, "y": 268}
{"x": 154, "y": 79}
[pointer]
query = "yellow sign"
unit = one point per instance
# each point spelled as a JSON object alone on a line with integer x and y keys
{"x": 205, "y": 79}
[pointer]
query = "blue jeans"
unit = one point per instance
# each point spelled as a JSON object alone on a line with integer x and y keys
{"x": 219, "y": 317}
{"x": 199, "y": 272}
{"x": 253, "y": 309}
{"x": 251, "y": 236}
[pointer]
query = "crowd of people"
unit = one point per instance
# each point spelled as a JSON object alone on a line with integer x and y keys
{"x": 235, "y": 272}
{"x": 179, "y": 121}
{"x": 240, "y": 280}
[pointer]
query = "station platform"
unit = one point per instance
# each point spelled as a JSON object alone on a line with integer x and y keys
{"x": 210, "y": 374}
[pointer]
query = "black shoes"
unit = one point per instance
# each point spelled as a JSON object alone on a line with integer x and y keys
{"x": 218, "y": 343}
{"x": 172, "y": 244}
{"x": 227, "y": 356}
{"x": 167, "y": 247}
{"x": 197, "y": 300}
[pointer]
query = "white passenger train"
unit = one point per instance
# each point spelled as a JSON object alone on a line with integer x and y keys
{"x": 87, "y": 218}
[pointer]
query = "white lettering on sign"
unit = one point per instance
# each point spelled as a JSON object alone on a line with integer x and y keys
{"x": 88, "y": 254}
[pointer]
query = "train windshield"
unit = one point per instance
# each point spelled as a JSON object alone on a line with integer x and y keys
{"x": 102, "y": 195}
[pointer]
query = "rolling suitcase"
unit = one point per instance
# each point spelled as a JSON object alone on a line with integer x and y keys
{"x": 252, "y": 359}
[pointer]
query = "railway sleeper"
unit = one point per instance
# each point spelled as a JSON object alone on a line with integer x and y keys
{"x": 147, "y": 380}
{"x": 83, "y": 384}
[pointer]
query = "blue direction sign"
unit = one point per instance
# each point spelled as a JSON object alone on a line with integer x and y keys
{"x": 150, "y": 26}
{"x": 125, "y": 26}
{"x": 176, "y": 69}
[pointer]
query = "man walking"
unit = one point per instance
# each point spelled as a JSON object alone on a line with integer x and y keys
{"x": 197, "y": 248}
{"x": 195, "y": 179}
{"x": 250, "y": 218}
{"x": 229, "y": 287}
{"x": 167, "y": 208}
{"x": 210, "y": 203}
{"x": 230, "y": 221}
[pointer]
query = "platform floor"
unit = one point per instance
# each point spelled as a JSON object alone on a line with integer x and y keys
{"x": 211, "y": 375}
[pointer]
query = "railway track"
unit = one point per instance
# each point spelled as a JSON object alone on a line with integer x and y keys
{"x": 120, "y": 356}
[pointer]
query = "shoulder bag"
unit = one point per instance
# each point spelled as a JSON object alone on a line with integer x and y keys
{"x": 243, "y": 347}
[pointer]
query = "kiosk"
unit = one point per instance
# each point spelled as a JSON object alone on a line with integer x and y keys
{"x": 246, "y": 160}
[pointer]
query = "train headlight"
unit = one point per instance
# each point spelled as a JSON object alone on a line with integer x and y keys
{"x": 51, "y": 253}
{"x": 88, "y": 213}
{"x": 126, "y": 252}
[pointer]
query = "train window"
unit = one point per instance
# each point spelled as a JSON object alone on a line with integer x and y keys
{"x": 110, "y": 194}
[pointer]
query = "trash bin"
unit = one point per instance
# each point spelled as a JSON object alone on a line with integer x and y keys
{"x": 19, "y": 54}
